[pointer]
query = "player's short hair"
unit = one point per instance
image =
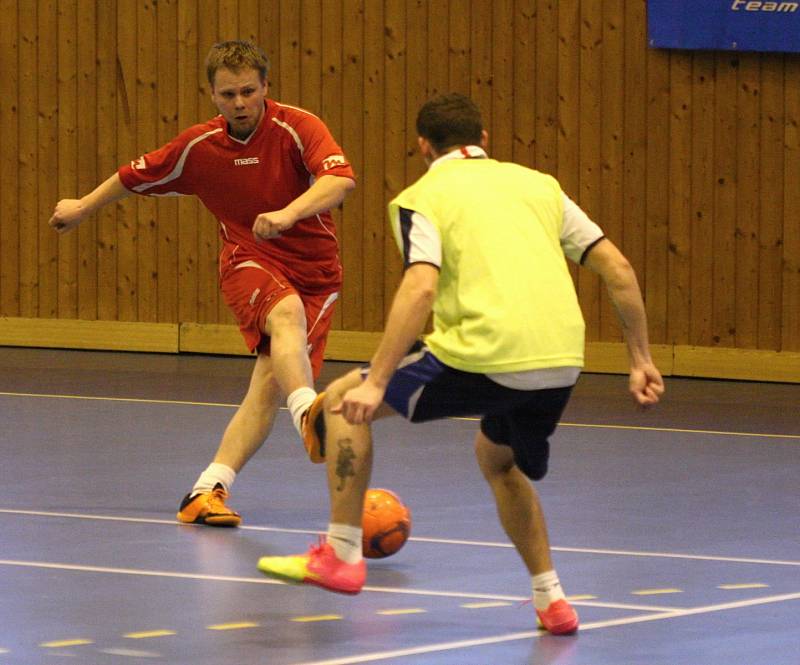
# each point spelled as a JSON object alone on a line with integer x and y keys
{"x": 449, "y": 120}
{"x": 236, "y": 56}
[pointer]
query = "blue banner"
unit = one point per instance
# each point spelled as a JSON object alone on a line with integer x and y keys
{"x": 738, "y": 25}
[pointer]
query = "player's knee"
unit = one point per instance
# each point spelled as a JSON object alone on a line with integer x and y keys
{"x": 286, "y": 315}
{"x": 493, "y": 459}
{"x": 334, "y": 392}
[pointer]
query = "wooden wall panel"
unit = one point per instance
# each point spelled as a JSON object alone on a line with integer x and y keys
{"x": 680, "y": 197}
{"x": 636, "y": 133}
{"x": 701, "y": 213}
{"x": 188, "y": 65}
{"x": 208, "y": 299}
{"x": 523, "y": 72}
{"x": 612, "y": 82}
{"x": 67, "y": 154}
{"x": 87, "y": 155}
{"x": 545, "y": 107}
{"x": 47, "y": 154}
{"x": 394, "y": 136}
{"x": 688, "y": 160}
{"x": 371, "y": 179}
{"x": 655, "y": 278}
{"x": 107, "y": 161}
{"x": 747, "y": 201}
{"x": 790, "y": 312}
{"x": 9, "y": 169}
{"x": 30, "y": 218}
{"x": 501, "y": 130}
{"x": 771, "y": 206}
{"x": 166, "y": 264}
{"x": 146, "y": 140}
{"x": 127, "y": 149}
{"x": 351, "y": 303}
{"x": 725, "y": 197}
{"x": 590, "y": 126}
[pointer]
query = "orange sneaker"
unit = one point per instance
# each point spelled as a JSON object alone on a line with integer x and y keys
{"x": 312, "y": 427}
{"x": 559, "y": 618}
{"x": 208, "y": 508}
{"x": 320, "y": 567}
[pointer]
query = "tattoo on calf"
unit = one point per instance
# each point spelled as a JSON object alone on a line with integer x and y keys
{"x": 344, "y": 463}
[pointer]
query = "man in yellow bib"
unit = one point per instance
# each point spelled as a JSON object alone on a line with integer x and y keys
{"x": 484, "y": 246}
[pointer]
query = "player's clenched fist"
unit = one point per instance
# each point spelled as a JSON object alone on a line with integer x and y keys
{"x": 67, "y": 215}
{"x": 272, "y": 224}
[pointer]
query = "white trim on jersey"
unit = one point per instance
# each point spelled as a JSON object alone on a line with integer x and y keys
{"x": 178, "y": 170}
{"x": 296, "y": 108}
{"x": 422, "y": 238}
{"x": 578, "y": 232}
{"x": 294, "y": 134}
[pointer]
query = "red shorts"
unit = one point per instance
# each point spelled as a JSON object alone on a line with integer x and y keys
{"x": 251, "y": 290}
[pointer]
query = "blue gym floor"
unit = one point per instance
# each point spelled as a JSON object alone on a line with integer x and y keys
{"x": 675, "y": 532}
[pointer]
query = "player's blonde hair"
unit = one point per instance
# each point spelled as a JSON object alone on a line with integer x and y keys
{"x": 236, "y": 56}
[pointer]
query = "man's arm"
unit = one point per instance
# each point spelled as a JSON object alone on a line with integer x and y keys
{"x": 69, "y": 213}
{"x": 645, "y": 383}
{"x": 326, "y": 193}
{"x": 407, "y": 318}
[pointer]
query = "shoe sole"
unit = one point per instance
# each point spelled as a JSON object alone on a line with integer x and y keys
{"x": 308, "y": 581}
{"x": 314, "y": 438}
{"x": 221, "y": 520}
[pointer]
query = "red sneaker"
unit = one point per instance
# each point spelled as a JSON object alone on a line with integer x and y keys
{"x": 559, "y": 618}
{"x": 320, "y": 567}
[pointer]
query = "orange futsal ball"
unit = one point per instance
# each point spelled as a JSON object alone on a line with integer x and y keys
{"x": 386, "y": 523}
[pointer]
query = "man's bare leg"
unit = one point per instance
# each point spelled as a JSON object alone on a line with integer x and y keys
{"x": 521, "y": 515}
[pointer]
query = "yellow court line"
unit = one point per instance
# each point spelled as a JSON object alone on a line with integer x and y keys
{"x": 65, "y": 643}
{"x": 655, "y": 592}
{"x": 410, "y": 610}
{"x": 149, "y": 633}
{"x": 683, "y": 431}
{"x": 583, "y": 597}
{"x": 135, "y": 400}
{"x": 469, "y": 418}
{"x": 233, "y": 626}
{"x": 319, "y": 617}
{"x": 753, "y": 585}
{"x": 480, "y": 606}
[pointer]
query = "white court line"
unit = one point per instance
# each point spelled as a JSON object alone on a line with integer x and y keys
{"x": 419, "y": 539}
{"x": 469, "y": 418}
{"x": 510, "y": 637}
{"x": 264, "y": 580}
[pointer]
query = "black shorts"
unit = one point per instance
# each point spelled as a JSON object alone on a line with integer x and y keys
{"x": 423, "y": 388}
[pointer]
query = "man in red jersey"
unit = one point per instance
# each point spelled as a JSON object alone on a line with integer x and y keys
{"x": 269, "y": 173}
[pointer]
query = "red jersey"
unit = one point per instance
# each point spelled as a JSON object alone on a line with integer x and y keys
{"x": 238, "y": 180}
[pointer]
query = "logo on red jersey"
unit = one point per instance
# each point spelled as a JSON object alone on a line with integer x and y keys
{"x": 333, "y": 161}
{"x": 139, "y": 163}
{"x": 242, "y": 161}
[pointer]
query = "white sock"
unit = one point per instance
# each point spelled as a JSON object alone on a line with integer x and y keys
{"x": 299, "y": 402}
{"x": 215, "y": 473}
{"x": 546, "y": 589}
{"x": 346, "y": 542}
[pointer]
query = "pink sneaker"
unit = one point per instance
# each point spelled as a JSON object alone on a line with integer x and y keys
{"x": 320, "y": 567}
{"x": 559, "y": 618}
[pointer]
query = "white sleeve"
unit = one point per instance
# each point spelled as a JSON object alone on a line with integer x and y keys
{"x": 419, "y": 239}
{"x": 578, "y": 232}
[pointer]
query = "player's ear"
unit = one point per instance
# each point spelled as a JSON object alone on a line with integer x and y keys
{"x": 425, "y": 148}
{"x": 484, "y": 139}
